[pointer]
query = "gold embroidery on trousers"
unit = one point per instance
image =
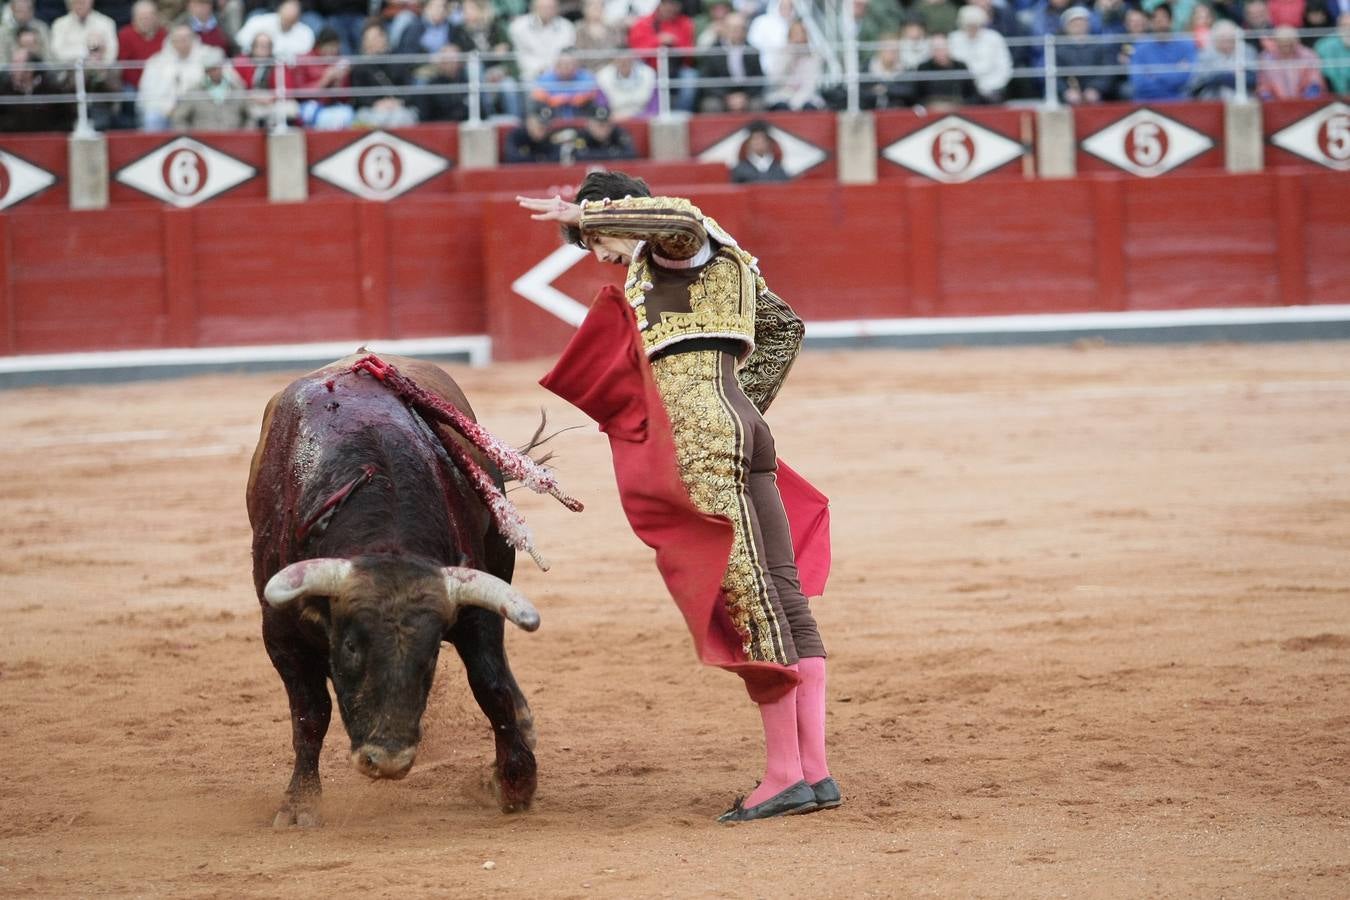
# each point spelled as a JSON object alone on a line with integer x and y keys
{"x": 710, "y": 452}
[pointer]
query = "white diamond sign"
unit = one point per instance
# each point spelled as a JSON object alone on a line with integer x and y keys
{"x": 1322, "y": 137}
{"x": 953, "y": 150}
{"x": 380, "y": 166}
{"x": 798, "y": 155}
{"x": 1145, "y": 143}
{"x": 20, "y": 179}
{"x": 185, "y": 172}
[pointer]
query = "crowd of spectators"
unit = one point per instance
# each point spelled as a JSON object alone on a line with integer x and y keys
{"x": 571, "y": 72}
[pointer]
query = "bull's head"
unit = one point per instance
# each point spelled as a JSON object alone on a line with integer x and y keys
{"x": 385, "y": 620}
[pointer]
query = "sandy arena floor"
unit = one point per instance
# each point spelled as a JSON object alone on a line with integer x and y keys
{"x": 1090, "y": 625}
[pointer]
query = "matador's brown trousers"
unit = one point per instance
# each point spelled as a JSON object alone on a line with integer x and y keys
{"x": 727, "y": 461}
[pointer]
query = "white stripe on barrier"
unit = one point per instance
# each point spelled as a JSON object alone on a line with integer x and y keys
{"x": 477, "y": 347}
{"x": 1068, "y": 322}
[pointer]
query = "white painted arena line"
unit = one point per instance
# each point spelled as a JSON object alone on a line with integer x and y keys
{"x": 478, "y": 347}
{"x": 1070, "y": 322}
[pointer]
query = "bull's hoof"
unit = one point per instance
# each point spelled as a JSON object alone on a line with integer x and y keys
{"x": 297, "y": 815}
{"x": 510, "y": 797}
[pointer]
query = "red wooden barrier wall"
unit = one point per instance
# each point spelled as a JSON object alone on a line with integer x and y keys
{"x": 345, "y": 269}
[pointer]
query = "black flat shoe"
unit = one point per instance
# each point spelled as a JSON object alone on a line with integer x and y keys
{"x": 826, "y": 792}
{"x": 799, "y": 798}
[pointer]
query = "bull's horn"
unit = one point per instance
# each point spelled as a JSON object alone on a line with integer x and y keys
{"x": 475, "y": 588}
{"x": 309, "y": 576}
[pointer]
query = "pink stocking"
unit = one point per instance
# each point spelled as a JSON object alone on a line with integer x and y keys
{"x": 782, "y": 764}
{"x": 811, "y": 718}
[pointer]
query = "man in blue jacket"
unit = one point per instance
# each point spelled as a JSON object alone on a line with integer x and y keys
{"x": 1162, "y": 49}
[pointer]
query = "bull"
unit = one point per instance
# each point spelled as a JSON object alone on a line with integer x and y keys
{"x": 372, "y": 546}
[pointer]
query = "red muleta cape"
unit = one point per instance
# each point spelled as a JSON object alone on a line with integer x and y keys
{"x": 604, "y": 372}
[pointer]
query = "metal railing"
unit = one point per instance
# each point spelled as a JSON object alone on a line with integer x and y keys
{"x": 846, "y": 87}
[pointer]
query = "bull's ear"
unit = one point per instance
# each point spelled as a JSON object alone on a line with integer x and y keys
{"x": 324, "y": 577}
{"x": 471, "y": 587}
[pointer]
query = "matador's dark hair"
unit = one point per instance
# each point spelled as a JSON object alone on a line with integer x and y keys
{"x": 604, "y": 185}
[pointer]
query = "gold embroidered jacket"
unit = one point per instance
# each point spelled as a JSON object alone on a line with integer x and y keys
{"x": 690, "y": 279}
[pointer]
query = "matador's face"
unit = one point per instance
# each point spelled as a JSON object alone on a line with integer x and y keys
{"x": 609, "y": 249}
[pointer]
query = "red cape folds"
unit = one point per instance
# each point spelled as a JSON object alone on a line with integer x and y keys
{"x": 604, "y": 372}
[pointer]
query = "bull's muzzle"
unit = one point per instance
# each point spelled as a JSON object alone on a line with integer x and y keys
{"x": 374, "y": 761}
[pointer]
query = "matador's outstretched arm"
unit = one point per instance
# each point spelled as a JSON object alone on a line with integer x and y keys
{"x": 674, "y": 227}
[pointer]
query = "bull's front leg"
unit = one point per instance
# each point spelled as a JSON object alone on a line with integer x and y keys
{"x": 478, "y": 638}
{"x": 304, "y": 673}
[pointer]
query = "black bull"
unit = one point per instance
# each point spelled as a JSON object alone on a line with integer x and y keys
{"x": 369, "y": 549}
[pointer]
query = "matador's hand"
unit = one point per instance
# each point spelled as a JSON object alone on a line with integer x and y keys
{"x": 554, "y": 209}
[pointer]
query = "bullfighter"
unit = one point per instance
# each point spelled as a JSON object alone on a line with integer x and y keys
{"x": 719, "y": 344}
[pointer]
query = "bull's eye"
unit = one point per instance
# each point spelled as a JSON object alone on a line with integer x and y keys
{"x": 349, "y": 647}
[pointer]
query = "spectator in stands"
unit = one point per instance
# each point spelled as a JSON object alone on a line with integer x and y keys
{"x": 1256, "y": 17}
{"x": 101, "y": 76}
{"x": 532, "y": 141}
{"x": 939, "y": 16}
{"x": 760, "y": 158}
{"x": 1213, "y": 77}
{"x": 429, "y": 32}
{"x": 598, "y": 36}
{"x": 509, "y": 10}
{"x": 346, "y": 17}
{"x": 603, "y": 139}
{"x": 201, "y": 18}
{"x": 914, "y": 46}
{"x": 72, "y": 33}
{"x": 949, "y": 83}
{"x": 738, "y": 60}
{"x": 170, "y": 73}
{"x": 1110, "y": 15}
{"x": 768, "y": 33}
{"x": 629, "y": 88}
{"x": 1322, "y": 13}
{"x": 482, "y": 32}
{"x": 984, "y": 52}
{"x": 1286, "y": 12}
{"x": 1201, "y": 21}
{"x": 670, "y": 28}
{"x": 140, "y": 40}
{"x": 708, "y": 27}
{"x": 567, "y": 89}
{"x": 1161, "y": 48}
{"x": 1297, "y": 72}
{"x": 1001, "y": 18}
{"x": 380, "y": 110}
{"x": 224, "y": 107}
{"x": 324, "y": 68}
{"x": 798, "y": 87}
{"x": 446, "y": 70}
{"x": 19, "y": 16}
{"x": 24, "y": 81}
{"x": 258, "y": 71}
{"x": 873, "y": 20}
{"x": 291, "y": 38}
{"x": 1077, "y": 50}
{"x": 887, "y": 87}
{"x": 1334, "y": 51}
{"x": 1136, "y": 30}
{"x": 538, "y": 38}
{"x": 1046, "y": 19}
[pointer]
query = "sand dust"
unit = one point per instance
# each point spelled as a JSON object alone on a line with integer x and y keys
{"x": 1089, "y": 618}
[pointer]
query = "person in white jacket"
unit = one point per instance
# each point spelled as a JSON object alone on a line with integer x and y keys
{"x": 170, "y": 73}
{"x": 73, "y": 32}
{"x": 984, "y": 52}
